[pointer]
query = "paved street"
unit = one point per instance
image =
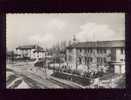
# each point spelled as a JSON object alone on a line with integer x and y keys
{"x": 28, "y": 76}
{"x": 34, "y": 80}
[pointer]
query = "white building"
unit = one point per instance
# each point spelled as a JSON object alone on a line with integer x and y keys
{"x": 30, "y": 51}
{"x": 100, "y": 53}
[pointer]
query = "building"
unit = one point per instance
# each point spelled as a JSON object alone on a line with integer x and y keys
{"x": 100, "y": 53}
{"x": 10, "y": 56}
{"x": 30, "y": 51}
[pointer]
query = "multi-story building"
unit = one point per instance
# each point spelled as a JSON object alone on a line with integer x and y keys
{"x": 100, "y": 53}
{"x": 31, "y": 51}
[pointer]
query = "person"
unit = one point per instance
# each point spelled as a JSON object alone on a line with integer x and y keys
{"x": 96, "y": 82}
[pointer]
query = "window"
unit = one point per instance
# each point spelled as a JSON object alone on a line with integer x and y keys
{"x": 85, "y": 60}
{"x": 104, "y": 50}
{"x": 89, "y": 59}
{"x": 121, "y": 59}
{"x": 90, "y": 50}
{"x": 97, "y": 59}
{"x": 86, "y": 51}
{"x": 122, "y": 51}
{"x": 101, "y": 60}
{"x": 104, "y": 60}
{"x": 98, "y": 50}
{"x": 80, "y": 61}
{"x": 70, "y": 58}
{"x": 101, "y": 50}
{"x": 70, "y": 50}
{"x": 80, "y": 50}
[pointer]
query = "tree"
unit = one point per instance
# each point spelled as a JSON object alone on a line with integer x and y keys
{"x": 11, "y": 56}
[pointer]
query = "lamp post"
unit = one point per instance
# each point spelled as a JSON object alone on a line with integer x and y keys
{"x": 46, "y": 64}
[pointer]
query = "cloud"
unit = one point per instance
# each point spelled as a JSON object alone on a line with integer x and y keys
{"x": 56, "y": 24}
{"x": 50, "y": 34}
{"x": 97, "y": 32}
{"x": 25, "y": 29}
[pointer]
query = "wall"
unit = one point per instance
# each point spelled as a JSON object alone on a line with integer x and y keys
{"x": 111, "y": 54}
{"x": 119, "y": 65}
{"x": 94, "y": 55}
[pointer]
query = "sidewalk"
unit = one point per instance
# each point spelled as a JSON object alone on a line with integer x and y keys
{"x": 38, "y": 79}
{"x": 39, "y": 76}
{"x": 58, "y": 80}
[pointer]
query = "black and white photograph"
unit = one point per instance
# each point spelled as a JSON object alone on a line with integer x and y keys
{"x": 65, "y": 51}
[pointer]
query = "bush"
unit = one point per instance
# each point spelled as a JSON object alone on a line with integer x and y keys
{"x": 77, "y": 72}
{"x": 73, "y": 78}
{"x": 99, "y": 74}
{"x": 86, "y": 74}
{"x": 68, "y": 70}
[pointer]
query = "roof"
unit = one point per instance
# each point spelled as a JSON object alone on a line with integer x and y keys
{"x": 91, "y": 44}
{"x": 39, "y": 50}
{"x": 29, "y": 47}
{"x": 11, "y": 53}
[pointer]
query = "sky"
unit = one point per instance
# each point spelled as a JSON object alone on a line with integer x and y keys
{"x": 47, "y": 29}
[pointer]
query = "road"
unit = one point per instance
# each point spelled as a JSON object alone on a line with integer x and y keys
{"x": 23, "y": 74}
{"x": 34, "y": 80}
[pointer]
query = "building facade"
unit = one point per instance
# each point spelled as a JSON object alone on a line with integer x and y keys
{"x": 30, "y": 51}
{"x": 100, "y": 53}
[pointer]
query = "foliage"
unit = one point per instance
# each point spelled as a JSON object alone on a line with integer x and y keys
{"x": 73, "y": 78}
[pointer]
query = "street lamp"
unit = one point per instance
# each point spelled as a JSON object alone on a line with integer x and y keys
{"x": 45, "y": 67}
